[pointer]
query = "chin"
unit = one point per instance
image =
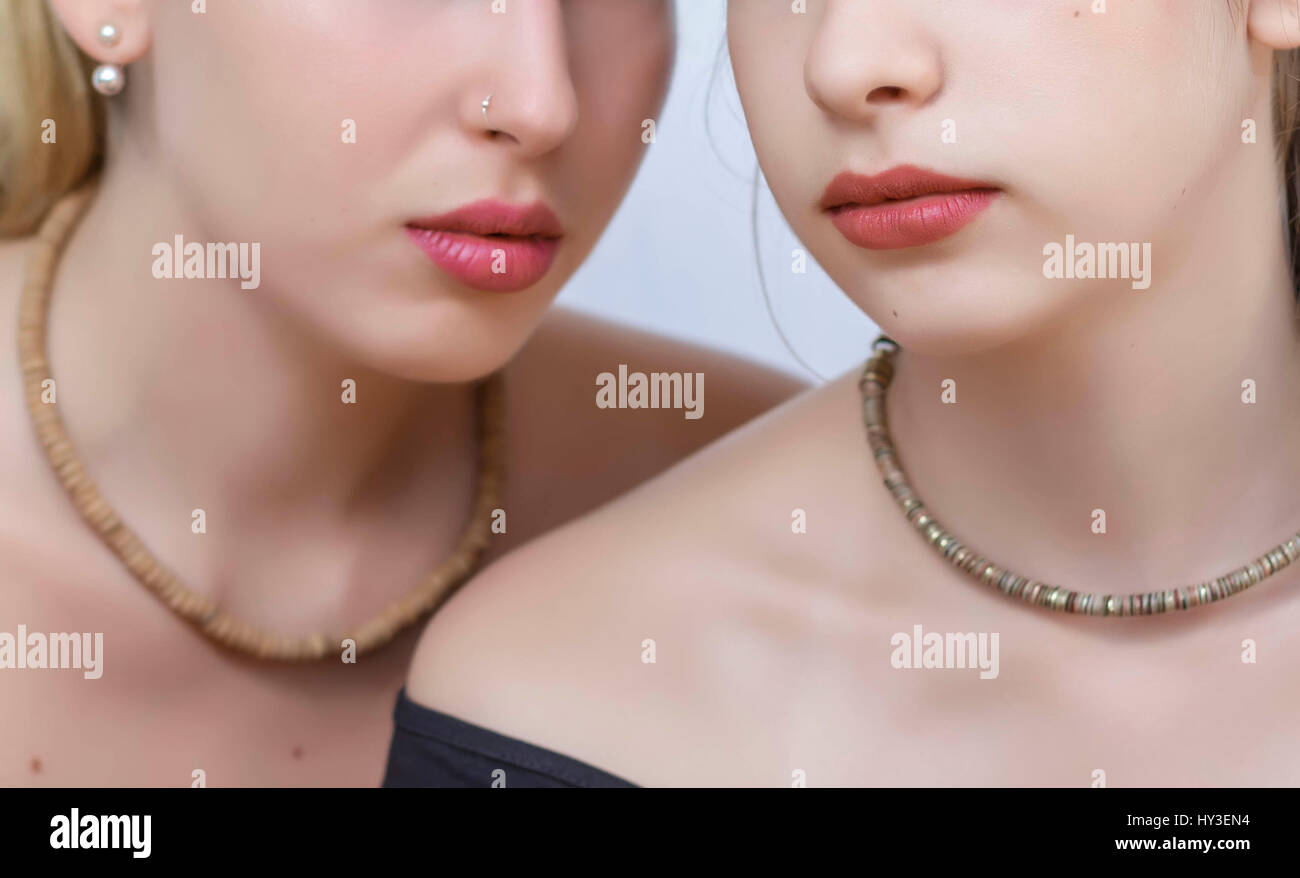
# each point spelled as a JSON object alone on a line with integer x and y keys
{"x": 445, "y": 361}
{"x": 440, "y": 342}
{"x": 978, "y": 322}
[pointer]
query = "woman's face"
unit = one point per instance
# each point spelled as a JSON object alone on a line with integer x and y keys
{"x": 1114, "y": 127}
{"x": 249, "y": 109}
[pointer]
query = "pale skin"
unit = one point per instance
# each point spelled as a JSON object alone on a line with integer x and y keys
{"x": 206, "y": 396}
{"x": 773, "y": 648}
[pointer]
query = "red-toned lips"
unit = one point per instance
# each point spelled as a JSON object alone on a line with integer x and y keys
{"x": 903, "y": 207}
{"x": 491, "y": 245}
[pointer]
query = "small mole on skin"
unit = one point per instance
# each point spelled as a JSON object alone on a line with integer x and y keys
{"x": 36, "y": 765}
{"x": 297, "y": 752}
{"x": 1076, "y": 13}
{"x": 895, "y": 313}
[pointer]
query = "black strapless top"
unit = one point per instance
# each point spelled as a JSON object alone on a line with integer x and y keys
{"x": 434, "y": 749}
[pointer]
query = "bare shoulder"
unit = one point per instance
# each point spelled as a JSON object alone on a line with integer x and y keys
{"x": 16, "y": 440}
{"x": 14, "y": 253}
{"x": 574, "y": 353}
{"x": 647, "y": 614}
{"x": 573, "y": 446}
{"x": 39, "y": 529}
{"x": 35, "y": 519}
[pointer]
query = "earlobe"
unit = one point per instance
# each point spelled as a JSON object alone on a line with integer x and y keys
{"x": 1275, "y": 23}
{"x": 109, "y": 31}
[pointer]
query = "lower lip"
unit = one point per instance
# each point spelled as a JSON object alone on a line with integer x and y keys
{"x": 484, "y": 262}
{"x": 893, "y": 225}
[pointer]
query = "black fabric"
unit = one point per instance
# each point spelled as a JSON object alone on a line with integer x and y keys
{"x": 434, "y": 749}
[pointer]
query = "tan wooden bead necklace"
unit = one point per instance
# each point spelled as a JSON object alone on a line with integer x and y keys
{"x": 201, "y": 611}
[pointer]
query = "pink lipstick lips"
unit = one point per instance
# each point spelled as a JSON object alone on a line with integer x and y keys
{"x": 490, "y": 245}
{"x": 903, "y": 207}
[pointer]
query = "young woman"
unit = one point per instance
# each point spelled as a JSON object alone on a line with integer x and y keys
{"x": 246, "y": 475}
{"x": 768, "y": 613}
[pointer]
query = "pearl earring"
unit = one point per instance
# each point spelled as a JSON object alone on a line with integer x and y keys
{"x": 109, "y": 79}
{"x": 109, "y": 35}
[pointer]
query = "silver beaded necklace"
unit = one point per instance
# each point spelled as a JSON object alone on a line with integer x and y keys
{"x": 876, "y": 377}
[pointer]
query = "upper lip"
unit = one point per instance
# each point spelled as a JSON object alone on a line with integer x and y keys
{"x": 897, "y": 184}
{"x": 493, "y": 217}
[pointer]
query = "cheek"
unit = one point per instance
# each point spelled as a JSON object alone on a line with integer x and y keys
{"x": 623, "y": 82}
{"x": 788, "y": 130}
{"x": 267, "y": 132}
{"x": 1102, "y": 121}
{"x": 620, "y": 87}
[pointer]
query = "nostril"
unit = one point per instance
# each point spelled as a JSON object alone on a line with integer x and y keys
{"x": 885, "y": 94}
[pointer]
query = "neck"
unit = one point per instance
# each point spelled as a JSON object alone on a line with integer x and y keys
{"x": 186, "y": 394}
{"x": 1133, "y": 405}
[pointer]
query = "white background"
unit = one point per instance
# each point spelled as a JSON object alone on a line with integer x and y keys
{"x": 679, "y": 257}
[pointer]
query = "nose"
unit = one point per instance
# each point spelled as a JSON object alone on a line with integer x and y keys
{"x": 868, "y": 58}
{"x": 527, "y": 96}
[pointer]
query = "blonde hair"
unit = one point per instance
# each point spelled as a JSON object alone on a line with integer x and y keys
{"x": 44, "y": 76}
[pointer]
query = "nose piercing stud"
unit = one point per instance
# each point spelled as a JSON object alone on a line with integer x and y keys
{"x": 487, "y": 102}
